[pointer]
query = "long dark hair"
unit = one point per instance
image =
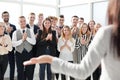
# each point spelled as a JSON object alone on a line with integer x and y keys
{"x": 44, "y": 33}
{"x": 114, "y": 19}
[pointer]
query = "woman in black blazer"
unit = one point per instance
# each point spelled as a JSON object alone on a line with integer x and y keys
{"x": 46, "y": 43}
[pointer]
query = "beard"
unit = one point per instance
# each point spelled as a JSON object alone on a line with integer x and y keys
{"x": 6, "y": 20}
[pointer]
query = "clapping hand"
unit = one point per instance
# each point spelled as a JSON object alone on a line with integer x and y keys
{"x": 24, "y": 37}
{"x": 83, "y": 41}
{"x": 49, "y": 36}
{"x": 3, "y": 43}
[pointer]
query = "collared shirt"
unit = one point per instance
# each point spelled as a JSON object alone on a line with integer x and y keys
{"x": 31, "y": 27}
{"x": 6, "y": 25}
{"x": 31, "y": 39}
{"x": 8, "y": 43}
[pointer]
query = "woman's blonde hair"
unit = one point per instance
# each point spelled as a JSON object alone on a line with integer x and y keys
{"x": 81, "y": 32}
{"x": 63, "y": 35}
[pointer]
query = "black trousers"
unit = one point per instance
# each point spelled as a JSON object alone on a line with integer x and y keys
{"x": 63, "y": 77}
{"x": 11, "y": 60}
{"x": 96, "y": 74}
{"x": 24, "y": 72}
{"x": 3, "y": 65}
{"x": 34, "y": 51}
{"x": 56, "y": 75}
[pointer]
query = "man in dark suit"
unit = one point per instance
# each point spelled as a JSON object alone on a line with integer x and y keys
{"x": 35, "y": 29}
{"x": 31, "y": 24}
{"x": 9, "y": 29}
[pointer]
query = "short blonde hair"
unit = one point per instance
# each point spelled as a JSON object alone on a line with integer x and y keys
{"x": 32, "y": 13}
{"x": 40, "y": 14}
{"x": 63, "y": 35}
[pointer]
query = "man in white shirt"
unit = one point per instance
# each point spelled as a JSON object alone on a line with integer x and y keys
{"x": 23, "y": 41}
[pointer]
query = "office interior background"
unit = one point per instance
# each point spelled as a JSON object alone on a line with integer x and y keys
{"x": 88, "y": 9}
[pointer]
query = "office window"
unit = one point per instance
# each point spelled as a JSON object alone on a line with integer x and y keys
{"x": 80, "y": 11}
{"x": 13, "y": 9}
{"x": 12, "y": 0}
{"x": 70, "y": 2}
{"x": 47, "y": 11}
{"x": 99, "y": 12}
{"x": 49, "y": 2}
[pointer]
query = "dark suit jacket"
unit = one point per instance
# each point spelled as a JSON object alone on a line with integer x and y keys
{"x": 43, "y": 44}
{"x": 35, "y": 28}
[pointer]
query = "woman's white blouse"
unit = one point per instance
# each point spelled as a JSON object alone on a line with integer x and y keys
{"x": 99, "y": 52}
{"x": 65, "y": 53}
{"x": 8, "y": 42}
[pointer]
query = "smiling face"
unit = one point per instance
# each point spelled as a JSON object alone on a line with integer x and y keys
{"x": 61, "y": 21}
{"x": 47, "y": 24}
{"x": 66, "y": 31}
{"x": 5, "y": 17}
{"x": 97, "y": 26}
{"x": 81, "y": 20}
{"x": 74, "y": 21}
{"x": 84, "y": 28}
{"x": 91, "y": 24}
{"x": 40, "y": 18}
{"x": 55, "y": 20}
{"x": 22, "y": 22}
{"x": 31, "y": 18}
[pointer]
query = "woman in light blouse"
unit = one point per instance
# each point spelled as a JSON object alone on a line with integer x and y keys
{"x": 66, "y": 45}
{"x": 5, "y": 47}
{"x": 104, "y": 49}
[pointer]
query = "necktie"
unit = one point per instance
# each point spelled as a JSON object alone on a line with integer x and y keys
{"x": 23, "y": 31}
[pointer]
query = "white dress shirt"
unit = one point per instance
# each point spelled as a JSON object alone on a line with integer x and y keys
{"x": 31, "y": 27}
{"x": 31, "y": 39}
{"x": 65, "y": 53}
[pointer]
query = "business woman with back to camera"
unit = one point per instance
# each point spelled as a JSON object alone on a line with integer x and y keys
{"x": 104, "y": 49}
